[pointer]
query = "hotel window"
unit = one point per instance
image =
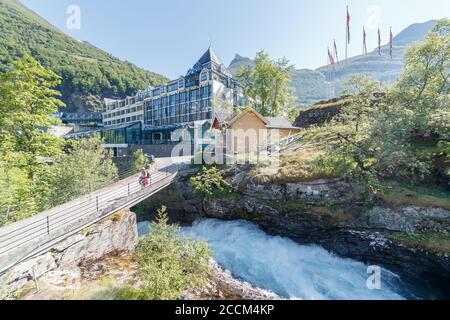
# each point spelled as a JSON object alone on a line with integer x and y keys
{"x": 172, "y": 100}
{"x": 182, "y": 97}
{"x": 173, "y": 87}
{"x": 133, "y": 118}
{"x": 164, "y": 102}
{"x": 128, "y": 119}
{"x": 204, "y": 76}
{"x": 193, "y": 95}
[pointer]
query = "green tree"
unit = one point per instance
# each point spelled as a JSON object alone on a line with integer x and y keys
{"x": 169, "y": 262}
{"x": 139, "y": 160}
{"x": 351, "y": 147}
{"x": 85, "y": 167}
{"x": 268, "y": 84}
{"x": 210, "y": 182}
{"x": 27, "y": 101}
{"x": 396, "y": 132}
{"x": 417, "y": 121}
{"x": 16, "y": 201}
{"x": 422, "y": 93}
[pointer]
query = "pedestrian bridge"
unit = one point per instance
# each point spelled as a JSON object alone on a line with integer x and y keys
{"x": 29, "y": 237}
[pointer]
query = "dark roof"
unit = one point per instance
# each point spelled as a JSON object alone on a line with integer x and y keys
{"x": 209, "y": 56}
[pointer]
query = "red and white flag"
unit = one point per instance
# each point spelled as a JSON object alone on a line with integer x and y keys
{"x": 348, "y": 26}
{"x": 391, "y": 39}
{"x": 331, "y": 59}
{"x": 336, "y": 52}
{"x": 379, "y": 41}
{"x": 364, "y": 41}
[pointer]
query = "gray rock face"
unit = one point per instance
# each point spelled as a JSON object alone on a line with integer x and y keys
{"x": 334, "y": 190}
{"x": 410, "y": 219}
{"x": 222, "y": 285}
{"x": 114, "y": 235}
{"x": 328, "y": 213}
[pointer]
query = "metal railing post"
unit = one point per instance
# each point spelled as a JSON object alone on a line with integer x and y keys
{"x": 48, "y": 225}
{"x": 97, "y": 202}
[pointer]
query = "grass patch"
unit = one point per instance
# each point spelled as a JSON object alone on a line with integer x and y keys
{"x": 119, "y": 293}
{"x": 329, "y": 104}
{"x": 399, "y": 194}
{"x": 297, "y": 166}
{"x": 431, "y": 242}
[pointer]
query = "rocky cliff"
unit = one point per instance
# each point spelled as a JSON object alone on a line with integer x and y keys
{"x": 116, "y": 235}
{"x": 332, "y": 214}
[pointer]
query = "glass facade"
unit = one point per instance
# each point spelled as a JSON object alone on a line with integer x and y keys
{"x": 128, "y": 134}
{"x": 179, "y": 108}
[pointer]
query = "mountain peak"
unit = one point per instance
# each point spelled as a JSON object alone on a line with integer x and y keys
{"x": 414, "y": 32}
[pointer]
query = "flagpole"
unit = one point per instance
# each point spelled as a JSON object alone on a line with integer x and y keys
{"x": 346, "y": 37}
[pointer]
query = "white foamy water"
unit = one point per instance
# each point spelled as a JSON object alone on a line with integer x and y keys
{"x": 285, "y": 267}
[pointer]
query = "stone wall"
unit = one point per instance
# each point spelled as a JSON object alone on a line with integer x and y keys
{"x": 114, "y": 235}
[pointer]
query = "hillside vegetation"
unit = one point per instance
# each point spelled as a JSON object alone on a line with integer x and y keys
{"x": 88, "y": 74}
{"x": 392, "y": 140}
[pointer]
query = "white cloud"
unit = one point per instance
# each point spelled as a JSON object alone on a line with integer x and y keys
{"x": 373, "y": 16}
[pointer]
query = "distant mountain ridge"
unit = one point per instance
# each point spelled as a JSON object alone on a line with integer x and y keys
{"x": 320, "y": 84}
{"x": 88, "y": 74}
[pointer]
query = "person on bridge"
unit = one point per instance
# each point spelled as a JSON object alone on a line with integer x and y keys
{"x": 143, "y": 180}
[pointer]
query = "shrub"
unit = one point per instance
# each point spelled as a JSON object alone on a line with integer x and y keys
{"x": 210, "y": 182}
{"x": 139, "y": 160}
{"x": 169, "y": 262}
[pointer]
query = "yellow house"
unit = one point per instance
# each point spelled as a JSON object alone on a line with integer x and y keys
{"x": 249, "y": 131}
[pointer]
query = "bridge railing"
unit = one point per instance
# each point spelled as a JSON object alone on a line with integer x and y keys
{"x": 24, "y": 238}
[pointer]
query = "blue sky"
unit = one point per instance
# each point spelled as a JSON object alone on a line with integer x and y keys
{"x": 168, "y": 36}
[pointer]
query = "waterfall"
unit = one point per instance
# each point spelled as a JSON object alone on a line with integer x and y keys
{"x": 291, "y": 270}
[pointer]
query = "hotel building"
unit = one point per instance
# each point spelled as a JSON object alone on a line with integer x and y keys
{"x": 152, "y": 116}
